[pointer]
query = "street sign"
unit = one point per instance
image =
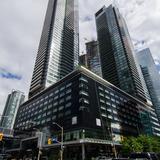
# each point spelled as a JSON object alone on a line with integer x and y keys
{"x": 1, "y": 136}
{"x": 55, "y": 140}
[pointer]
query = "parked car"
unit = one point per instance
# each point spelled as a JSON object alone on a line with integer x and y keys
{"x": 120, "y": 159}
{"x": 144, "y": 156}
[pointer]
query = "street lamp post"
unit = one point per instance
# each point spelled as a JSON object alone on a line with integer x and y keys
{"x": 40, "y": 142}
{"x": 61, "y": 153}
{"x": 114, "y": 147}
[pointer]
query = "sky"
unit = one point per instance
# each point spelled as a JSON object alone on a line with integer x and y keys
{"x": 21, "y": 27}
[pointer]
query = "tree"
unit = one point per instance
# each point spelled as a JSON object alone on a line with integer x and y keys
{"x": 142, "y": 143}
{"x": 131, "y": 144}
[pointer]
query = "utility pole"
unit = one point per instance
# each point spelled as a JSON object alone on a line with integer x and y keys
{"x": 114, "y": 147}
{"x": 62, "y": 132}
{"x": 40, "y": 140}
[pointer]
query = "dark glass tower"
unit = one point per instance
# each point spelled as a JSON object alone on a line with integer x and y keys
{"x": 117, "y": 54}
{"x": 151, "y": 77}
{"x": 59, "y": 45}
{"x": 14, "y": 100}
{"x": 93, "y": 57}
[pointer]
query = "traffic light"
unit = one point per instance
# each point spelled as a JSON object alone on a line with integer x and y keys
{"x": 49, "y": 141}
{"x": 1, "y": 136}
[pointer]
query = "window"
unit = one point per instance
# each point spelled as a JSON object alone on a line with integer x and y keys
{"x": 110, "y": 117}
{"x": 108, "y": 103}
{"x": 104, "y": 115}
{"x": 69, "y": 84}
{"x": 112, "y": 99}
{"x": 48, "y": 119}
{"x": 113, "y": 105}
{"x": 67, "y": 136}
{"x": 112, "y": 93}
{"x": 102, "y": 101}
{"x": 74, "y": 120}
{"x": 98, "y": 122}
{"x": 56, "y": 97}
{"x": 81, "y": 85}
{"x": 55, "y": 104}
{"x": 45, "y": 108}
{"x": 68, "y": 91}
{"x": 101, "y": 94}
{"x": 100, "y": 88}
{"x": 67, "y": 112}
{"x": 57, "y": 91}
{"x": 48, "y": 113}
{"x": 50, "y": 106}
{"x": 62, "y": 88}
{"x": 83, "y": 79}
{"x": 61, "y": 101}
{"x": 50, "y": 100}
{"x": 106, "y": 91}
{"x": 68, "y": 97}
{"x": 54, "y": 117}
{"x": 55, "y": 110}
{"x": 86, "y": 101}
{"x": 103, "y": 107}
{"x": 51, "y": 94}
{"x": 61, "y": 108}
{"x": 115, "y": 112}
{"x": 62, "y": 94}
{"x": 68, "y": 104}
{"x": 76, "y": 135}
{"x": 43, "y": 121}
{"x": 60, "y": 115}
{"x": 44, "y": 114}
{"x": 83, "y": 93}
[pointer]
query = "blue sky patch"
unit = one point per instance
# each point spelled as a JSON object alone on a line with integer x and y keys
{"x": 8, "y": 75}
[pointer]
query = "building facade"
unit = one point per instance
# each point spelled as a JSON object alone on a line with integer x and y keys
{"x": 83, "y": 60}
{"x": 59, "y": 45}
{"x": 151, "y": 76}
{"x": 157, "y": 62}
{"x": 117, "y": 53}
{"x": 91, "y": 60}
{"x": 92, "y": 51}
{"x": 92, "y": 112}
{"x": 14, "y": 100}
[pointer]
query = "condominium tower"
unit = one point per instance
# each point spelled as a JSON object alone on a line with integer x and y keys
{"x": 151, "y": 76}
{"x": 117, "y": 54}
{"x": 92, "y": 50}
{"x": 91, "y": 60}
{"x": 59, "y": 45}
{"x": 14, "y": 100}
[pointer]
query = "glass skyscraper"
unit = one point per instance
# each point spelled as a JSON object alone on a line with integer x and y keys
{"x": 14, "y": 100}
{"x": 94, "y": 64}
{"x": 117, "y": 53}
{"x": 151, "y": 76}
{"x": 59, "y": 45}
{"x": 157, "y": 62}
{"x": 91, "y": 60}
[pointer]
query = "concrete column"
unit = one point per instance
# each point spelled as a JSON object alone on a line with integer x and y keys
{"x": 83, "y": 152}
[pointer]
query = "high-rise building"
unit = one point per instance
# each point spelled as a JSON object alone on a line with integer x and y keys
{"x": 117, "y": 54}
{"x": 83, "y": 60}
{"x": 91, "y": 60}
{"x": 59, "y": 45}
{"x": 92, "y": 51}
{"x": 151, "y": 76}
{"x": 14, "y": 100}
{"x": 91, "y": 111}
{"x": 157, "y": 62}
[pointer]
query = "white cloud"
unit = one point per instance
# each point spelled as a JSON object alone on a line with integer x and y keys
{"x": 22, "y": 21}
